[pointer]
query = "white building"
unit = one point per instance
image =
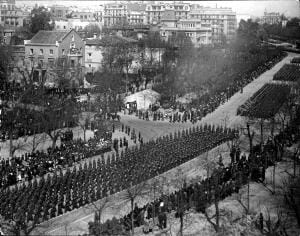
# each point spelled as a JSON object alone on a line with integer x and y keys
{"x": 114, "y": 14}
{"x": 154, "y": 11}
{"x": 136, "y": 13}
{"x": 76, "y": 24}
{"x": 93, "y": 55}
{"x": 222, "y": 20}
{"x": 94, "y": 49}
{"x": 200, "y": 33}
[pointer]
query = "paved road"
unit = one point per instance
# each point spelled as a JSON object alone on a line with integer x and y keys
{"x": 76, "y": 222}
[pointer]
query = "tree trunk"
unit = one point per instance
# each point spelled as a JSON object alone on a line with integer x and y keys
{"x": 274, "y": 169}
{"x": 261, "y": 132}
{"x": 250, "y": 138}
{"x": 84, "y": 134}
{"x": 295, "y": 158}
{"x": 272, "y": 127}
{"x": 217, "y": 215}
{"x": 248, "y": 195}
{"x": 54, "y": 139}
{"x": 181, "y": 224}
{"x": 10, "y": 144}
{"x": 132, "y": 218}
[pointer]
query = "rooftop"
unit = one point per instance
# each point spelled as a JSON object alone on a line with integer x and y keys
{"x": 48, "y": 37}
{"x": 110, "y": 40}
{"x": 168, "y": 15}
{"x": 136, "y": 7}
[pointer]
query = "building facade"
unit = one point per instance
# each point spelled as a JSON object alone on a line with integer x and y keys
{"x": 59, "y": 12}
{"x": 44, "y": 50}
{"x": 93, "y": 55}
{"x": 271, "y": 18}
{"x": 75, "y": 24}
{"x": 200, "y": 33}
{"x": 94, "y": 49}
{"x": 83, "y": 15}
{"x": 154, "y": 11}
{"x": 115, "y": 14}
{"x": 10, "y": 15}
{"x": 222, "y": 20}
{"x": 136, "y": 13}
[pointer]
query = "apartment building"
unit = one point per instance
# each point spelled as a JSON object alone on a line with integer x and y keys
{"x": 10, "y": 15}
{"x": 136, "y": 13}
{"x": 222, "y": 20}
{"x": 59, "y": 12}
{"x": 154, "y": 11}
{"x": 115, "y": 14}
{"x": 75, "y": 24}
{"x": 271, "y": 18}
{"x": 200, "y": 33}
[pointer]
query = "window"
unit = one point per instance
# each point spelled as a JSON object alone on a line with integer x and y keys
{"x": 73, "y": 38}
{"x": 41, "y": 51}
{"x": 90, "y": 65}
{"x": 72, "y": 45}
{"x": 51, "y": 61}
{"x": 63, "y": 51}
{"x": 72, "y": 63}
{"x": 90, "y": 54}
{"x": 51, "y": 51}
{"x": 31, "y": 51}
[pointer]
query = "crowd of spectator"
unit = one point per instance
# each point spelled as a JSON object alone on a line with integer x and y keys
{"x": 38, "y": 163}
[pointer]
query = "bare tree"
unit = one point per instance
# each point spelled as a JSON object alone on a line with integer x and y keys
{"x": 35, "y": 141}
{"x": 182, "y": 205}
{"x": 19, "y": 224}
{"x": 218, "y": 188}
{"x": 291, "y": 192}
{"x": 98, "y": 208}
{"x": 85, "y": 118}
{"x": 249, "y": 134}
{"x": 131, "y": 194}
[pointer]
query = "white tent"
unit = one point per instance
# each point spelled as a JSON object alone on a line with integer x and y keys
{"x": 87, "y": 84}
{"x": 143, "y": 98}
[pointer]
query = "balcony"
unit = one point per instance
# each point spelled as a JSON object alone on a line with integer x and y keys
{"x": 74, "y": 52}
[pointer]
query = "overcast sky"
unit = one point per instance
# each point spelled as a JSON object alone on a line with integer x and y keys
{"x": 252, "y": 8}
{"x": 256, "y": 8}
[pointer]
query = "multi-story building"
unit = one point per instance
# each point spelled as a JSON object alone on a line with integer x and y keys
{"x": 154, "y": 11}
{"x": 47, "y": 47}
{"x": 75, "y": 24}
{"x": 59, "y": 12}
{"x": 115, "y": 14}
{"x": 10, "y": 15}
{"x": 222, "y": 20}
{"x": 200, "y": 33}
{"x": 83, "y": 15}
{"x": 136, "y": 13}
{"x": 94, "y": 49}
{"x": 93, "y": 54}
{"x": 271, "y": 18}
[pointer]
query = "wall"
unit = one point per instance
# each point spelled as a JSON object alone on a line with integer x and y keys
{"x": 66, "y": 44}
{"x": 37, "y": 57}
{"x": 93, "y": 62}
